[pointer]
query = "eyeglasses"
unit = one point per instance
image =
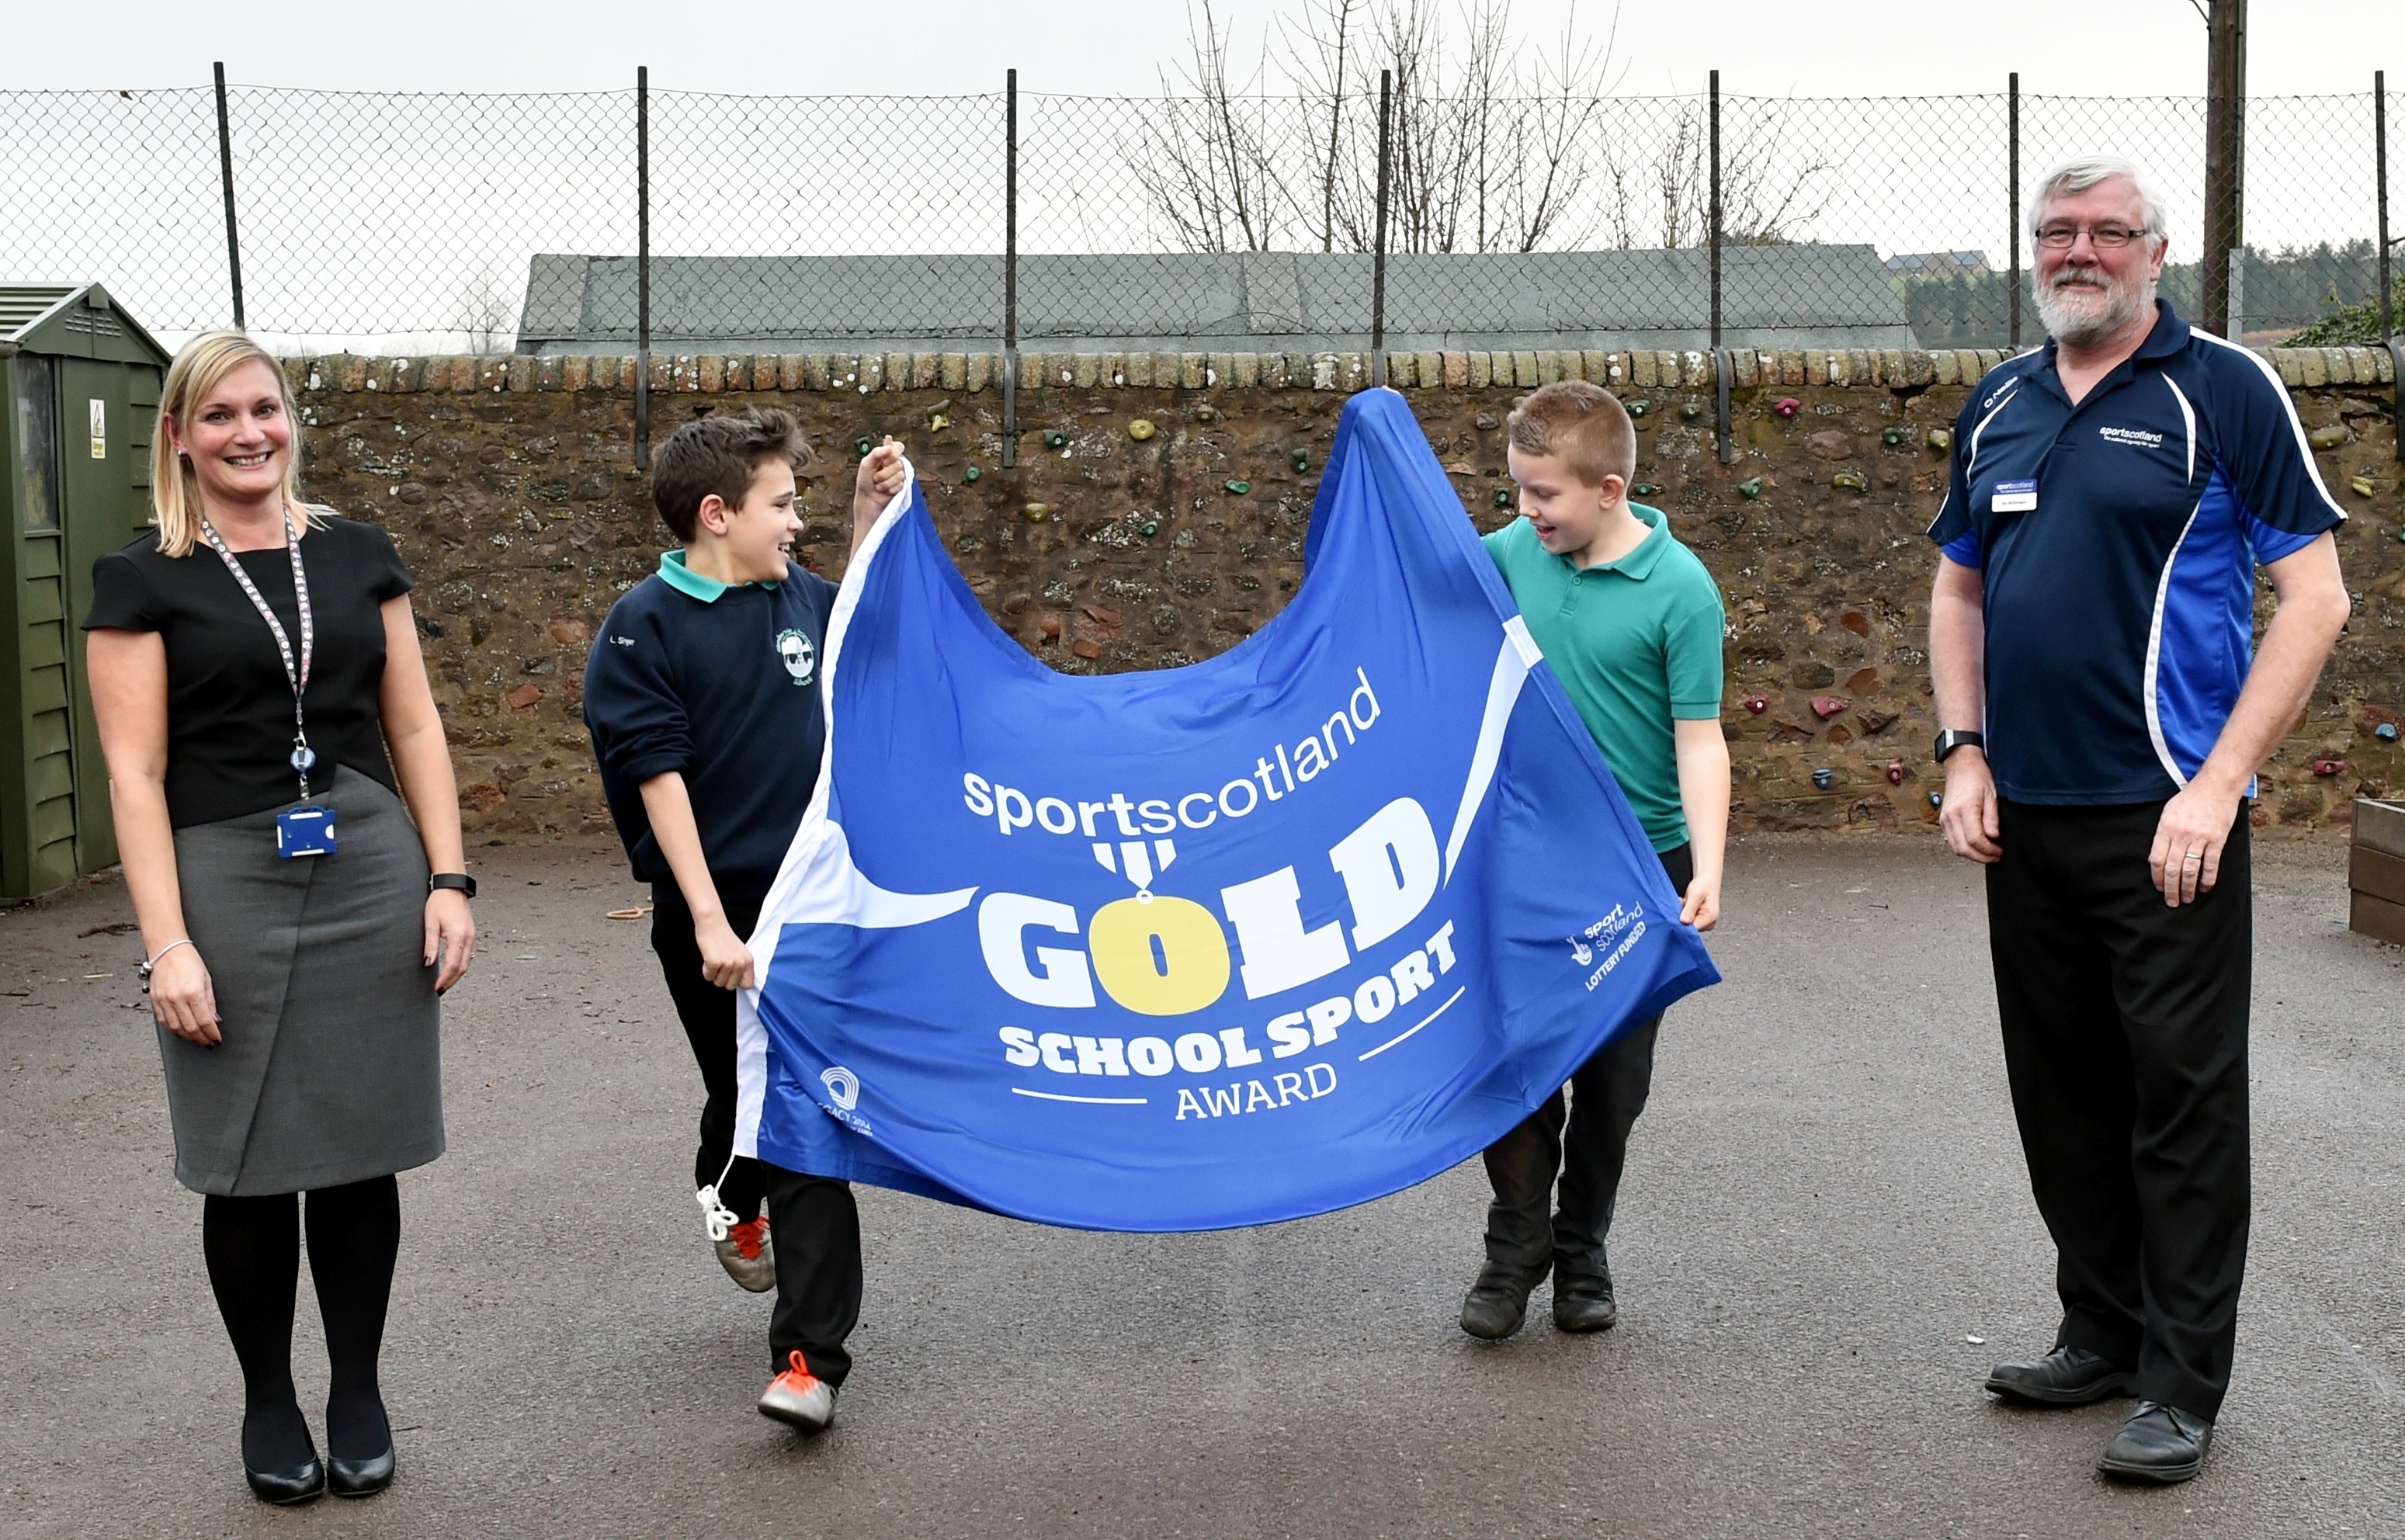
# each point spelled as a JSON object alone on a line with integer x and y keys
{"x": 2102, "y": 237}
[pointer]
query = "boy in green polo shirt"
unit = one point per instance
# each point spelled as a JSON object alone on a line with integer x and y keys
{"x": 1631, "y": 623}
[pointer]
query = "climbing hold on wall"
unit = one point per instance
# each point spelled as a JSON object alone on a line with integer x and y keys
{"x": 1206, "y": 413}
{"x": 1824, "y": 778}
{"x": 1055, "y": 438}
{"x": 937, "y": 421}
{"x": 2327, "y": 768}
{"x": 1301, "y": 462}
{"x": 1502, "y": 497}
{"x": 1939, "y": 439}
{"x": 2364, "y": 487}
{"x": 1850, "y": 481}
{"x": 1757, "y": 704}
{"x": 1488, "y": 421}
{"x": 971, "y": 475}
{"x": 1141, "y": 430}
{"x": 1149, "y": 528}
{"x": 1643, "y": 489}
{"x": 861, "y": 446}
{"x": 2329, "y": 436}
{"x": 1936, "y": 798}
{"x": 1786, "y": 407}
{"x": 1826, "y": 707}
{"x": 1038, "y": 512}
{"x": 1896, "y": 771}
{"x": 1689, "y": 411}
{"x": 1894, "y": 436}
{"x": 1638, "y": 409}
{"x": 2385, "y": 732}
{"x": 1749, "y": 488}
{"x": 1239, "y": 488}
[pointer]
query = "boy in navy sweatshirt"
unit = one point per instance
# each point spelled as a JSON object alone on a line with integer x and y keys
{"x": 701, "y": 694}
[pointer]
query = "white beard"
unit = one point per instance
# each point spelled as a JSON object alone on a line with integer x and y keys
{"x": 2080, "y": 315}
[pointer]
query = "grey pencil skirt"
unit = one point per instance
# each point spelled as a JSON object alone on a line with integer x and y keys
{"x": 331, "y": 1070}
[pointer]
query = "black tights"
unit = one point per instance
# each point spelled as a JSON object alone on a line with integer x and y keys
{"x": 253, "y": 1246}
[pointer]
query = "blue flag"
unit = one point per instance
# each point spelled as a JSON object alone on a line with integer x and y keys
{"x": 1261, "y": 937}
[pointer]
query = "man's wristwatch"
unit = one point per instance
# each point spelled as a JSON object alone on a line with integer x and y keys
{"x": 460, "y": 880}
{"x": 1957, "y": 737}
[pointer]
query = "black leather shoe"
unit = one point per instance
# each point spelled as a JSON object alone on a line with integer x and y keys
{"x": 1499, "y": 1301}
{"x": 2158, "y": 1444}
{"x": 359, "y": 1478}
{"x": 304, "y": 1483}
{"x": 1582, "y": 1302}
{"x": 2067, "y": 1376}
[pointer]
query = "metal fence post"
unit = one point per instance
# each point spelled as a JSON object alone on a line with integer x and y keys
{"x": 1723, "y": 447}
{"x": 642, "y": 267}
{"x": 2380, "y": 175}
{"x": 1378, "y": 261}
{"x": 2013, "y": 196}
{"x": 225, "y": 172}
{"x": 1010, "y": 271}
{"x": 2388, "y": 321}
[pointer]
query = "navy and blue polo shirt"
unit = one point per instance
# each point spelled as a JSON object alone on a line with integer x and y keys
{"x": 720, "y": 683}
{"x": 2116, "y": 542}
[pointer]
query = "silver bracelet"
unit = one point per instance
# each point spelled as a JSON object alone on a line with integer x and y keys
{"x": 152, "y": 961}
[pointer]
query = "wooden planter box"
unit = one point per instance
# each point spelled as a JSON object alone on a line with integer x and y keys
{"x": 2375, "y": 871}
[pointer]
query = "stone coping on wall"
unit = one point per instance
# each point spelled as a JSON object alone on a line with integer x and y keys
{"x": 713, "y": 374}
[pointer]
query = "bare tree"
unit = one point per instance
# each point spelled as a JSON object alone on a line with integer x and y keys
{"x": 1763, "y": 201}
{"x": 488, "y": 309}
{"x": 1493, "y": 147}
{"x": 1217, "y": 177}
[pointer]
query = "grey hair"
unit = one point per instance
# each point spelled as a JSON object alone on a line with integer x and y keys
{"x": 2078, "y": 176}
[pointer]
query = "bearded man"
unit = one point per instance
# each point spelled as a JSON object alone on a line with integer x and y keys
{"x": 2112, "y": 494}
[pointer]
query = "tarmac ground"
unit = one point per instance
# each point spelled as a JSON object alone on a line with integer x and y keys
{"x": 1825, "y": 1238}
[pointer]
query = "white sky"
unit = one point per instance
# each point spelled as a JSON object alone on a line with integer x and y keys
{"x": 1116, "y": 47}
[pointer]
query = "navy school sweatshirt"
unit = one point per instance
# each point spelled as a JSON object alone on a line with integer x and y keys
{"x": 720, "y": 684}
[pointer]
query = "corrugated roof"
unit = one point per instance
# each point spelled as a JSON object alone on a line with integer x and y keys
{"x": 1795, "y": 296}
{"x": 22, "y": 304}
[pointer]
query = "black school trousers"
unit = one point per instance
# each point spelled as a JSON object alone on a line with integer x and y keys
{"x": 813, "y": 1222}
{"x": 708, "y": 1013}
{"x": 2125, "y": 1028}
{"x": 1605, "y": 1097}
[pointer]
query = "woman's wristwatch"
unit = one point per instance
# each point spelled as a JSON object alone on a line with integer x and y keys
{"x": 460, "y": 880}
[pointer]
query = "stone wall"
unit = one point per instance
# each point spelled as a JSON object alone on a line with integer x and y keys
{"x": 1157, "y": 510}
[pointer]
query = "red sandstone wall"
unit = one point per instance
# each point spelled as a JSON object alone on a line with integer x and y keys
{"x": 508, "y": 486}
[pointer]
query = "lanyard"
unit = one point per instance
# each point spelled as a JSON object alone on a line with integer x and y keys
{"x": 304, "y": 757}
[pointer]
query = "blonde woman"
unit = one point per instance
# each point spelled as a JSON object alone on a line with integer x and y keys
{"x": 280, "y": 783}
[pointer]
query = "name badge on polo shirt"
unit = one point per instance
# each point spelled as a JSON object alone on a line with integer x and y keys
{"x": 2014, "y": 497}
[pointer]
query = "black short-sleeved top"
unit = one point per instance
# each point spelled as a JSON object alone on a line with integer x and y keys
{"x": 229, "y": 702}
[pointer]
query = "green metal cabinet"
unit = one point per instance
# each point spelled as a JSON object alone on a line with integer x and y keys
{"x": 80, "y": 383}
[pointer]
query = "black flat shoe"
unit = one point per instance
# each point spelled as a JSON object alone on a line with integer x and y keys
{"x": 305, "y": 1483}
{"x": 359, "y": 1478}
{"x": 2067, "y": 1376}
{"x": 2159, "y": 1445}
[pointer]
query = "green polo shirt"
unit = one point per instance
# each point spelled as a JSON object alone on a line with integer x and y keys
{"x": 1637, "y": 643}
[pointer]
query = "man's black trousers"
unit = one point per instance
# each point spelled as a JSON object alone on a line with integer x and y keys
{"x": 813, "y": 1223}
{"x": 1606, "y": 1095}
{"x": 2125, "y": 1037}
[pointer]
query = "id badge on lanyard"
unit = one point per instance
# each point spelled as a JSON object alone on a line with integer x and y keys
{"x": 306, "y": 828}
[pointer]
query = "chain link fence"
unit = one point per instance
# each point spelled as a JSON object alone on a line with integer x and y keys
{"x": 404, "y": 223}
